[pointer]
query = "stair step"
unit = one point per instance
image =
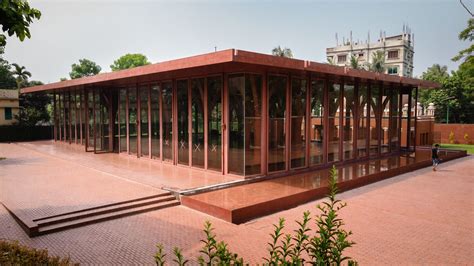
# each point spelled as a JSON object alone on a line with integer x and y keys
{"x": 45, "y": 229}
{"x": 102, "y": 210}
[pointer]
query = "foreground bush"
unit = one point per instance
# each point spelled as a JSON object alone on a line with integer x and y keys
{"x": 12, "y": 253}
{"x": 323, "y": 245}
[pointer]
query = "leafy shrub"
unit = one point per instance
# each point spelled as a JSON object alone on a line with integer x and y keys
{"x": 13, "y": 253}
{"x": 324, "y": 247}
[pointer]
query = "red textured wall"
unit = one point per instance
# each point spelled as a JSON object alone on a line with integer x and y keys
{"x": 442, "y": 131}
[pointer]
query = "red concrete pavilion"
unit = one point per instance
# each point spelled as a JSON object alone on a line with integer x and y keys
{"x": 239, "y": 113}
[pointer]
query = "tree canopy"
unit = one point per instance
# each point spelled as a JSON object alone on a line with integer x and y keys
{"x": 378, "y": 62}
{"x": 21, "y": 74}
{"x": 15, "y": 18}
{"x": 129, "y": 61}
{"x": 85, "y": 68}
{"x": 7, "y": 80}
{"x": 282, "y": 52}
{"x": 466, "y": 35}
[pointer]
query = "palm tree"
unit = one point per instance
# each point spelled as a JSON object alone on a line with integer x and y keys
{"x": 354, "y": 62}
{"x": 378, "y": 62}
{"x": 331, "y": 60}
{"x": 21, "y": 74}
{"x": 282, "y": 52}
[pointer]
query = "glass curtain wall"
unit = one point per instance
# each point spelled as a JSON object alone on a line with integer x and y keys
{"x": 245, "y": 104}
{"x": 144, "y": 135}
{"x": 298, "y": 122}
{"x": 155, "y": 121}
{"x": 348, "y": 121}
{"x": 276, "y": 123}
{"x": 334, "y": 95}
{"x": 394, "y": 120}
{"x": 317, "y": 122}
{"x": 122, "y": 120}
{"x": 214, "y": 133}
{"x": 385, "y": 134}
{"x": 167, "y": 120}
{"x": 374, "y": 118}
{"x": 362, "y": 133}
{"x": 132, "y": 120}
{"x": 197, "y": 121}
{"x": 183, "y": 121}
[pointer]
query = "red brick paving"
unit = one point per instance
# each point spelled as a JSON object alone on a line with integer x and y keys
{"x": 423, "y": 217}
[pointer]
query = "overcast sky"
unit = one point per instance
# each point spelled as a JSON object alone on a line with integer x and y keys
{"x": 102, "y": 31}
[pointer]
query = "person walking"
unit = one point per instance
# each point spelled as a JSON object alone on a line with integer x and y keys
{"x": 434, "y": 156}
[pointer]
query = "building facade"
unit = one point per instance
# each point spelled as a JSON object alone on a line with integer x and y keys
{"x": 238, "y": 113}
{"x": 9, "y": 107}
{"x": 398, "y": 51}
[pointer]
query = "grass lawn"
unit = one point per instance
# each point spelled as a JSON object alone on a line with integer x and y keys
{"x": 469, "y": 148}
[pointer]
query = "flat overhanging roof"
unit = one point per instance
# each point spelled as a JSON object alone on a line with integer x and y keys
{"x": 228, "y": 57}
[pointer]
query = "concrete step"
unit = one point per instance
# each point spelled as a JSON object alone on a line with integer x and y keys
{"x": 96, "y": 217}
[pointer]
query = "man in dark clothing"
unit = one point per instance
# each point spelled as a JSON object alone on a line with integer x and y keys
{"x": 434, "y": 156}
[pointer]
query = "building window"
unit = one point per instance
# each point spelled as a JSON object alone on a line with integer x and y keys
{"x": 392, "y": 70}
{"x": 393, "y": 54}
{"x": 341, "y": 58}
{"x": 8, "y": 113}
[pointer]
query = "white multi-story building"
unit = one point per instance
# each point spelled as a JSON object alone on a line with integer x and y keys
{"x": 398, "y": 50}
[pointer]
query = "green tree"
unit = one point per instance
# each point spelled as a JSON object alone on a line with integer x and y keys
{"x": 15, "y": 18}
{"x": 354, "y": 62}
{"x": 21, "y": 75}
{"x": 435, "y": 73}
{"x": 129, "y": 61}
{"x": 378, "y": 62}
{"x": 282, "y": 52}
{"x": 330, "y": 60}
{"x": 466, "y": 34}
{"x": 85, "y": 68}
{"x": 34, "y": 107}
{"x": 7, "y": 80}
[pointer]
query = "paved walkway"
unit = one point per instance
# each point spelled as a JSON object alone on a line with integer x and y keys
{"x": 420, "y": 217}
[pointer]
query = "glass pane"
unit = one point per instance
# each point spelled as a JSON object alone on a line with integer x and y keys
{"x": 197, "y": 109}
{"x": 90, "y": 103}
{"x": 183, "y": 133}
{"x": 253, "y": 123}
{"x": 97, "y": 120}
{"x": 385, "y": 120}
{"x": 374, "y": 118}
{"x": 362, "y": 124}
{"x": 298, "y": 122}
{"x": 155, "y": 121}
{"x": 317, "y": 124}
{"x": 167, "y": 105}
{"x": 123, "y": 119}
{"x": 334, "y": 92}
{"x": 144, "y": 140}
{"x": 78, "y": 116}
{"x": 348, "y": 120}
{"x": 276, "y": 123}
{"x": 236, "y": 154}
{"x": 132, "y": 119}
{"x": 214, "y": 109}
{"x": 66, "y": 116}
{"x": 73, "y": 116}
{"x": 104, "y": 121}
{"x": 394, "y": 123}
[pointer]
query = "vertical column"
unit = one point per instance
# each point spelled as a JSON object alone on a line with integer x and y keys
{"x": 127, "y": 119}
{"x": 64, "y": 116}
{"x": 409, "y": 119}
{"x": 94, "y": 128}
{"x": 400, "y": 114}
{"x": 206, "y": 124}
{"x": 175, "y": 122}
{"x": 69, "y": 117}
{"x": 341, "y": 120}
{"x": 264, "y": 125}
{"x": 369, "y": 107}
{"x": 111, "y": 120}
{"x": 326, "y": 120}
{"x": 416, "y": 118}
{"x": 149, "y": 123}
{"x": 81, "y": 110}
{"x": 138, "y": 99}
{"x": 355, "y": 120}
{"x": 86, "y": 118}
{"x": 379, "y": 117}
{"x": 190, "y": 124}
{"x": 55, "y": 118}
{"x": 225, "y": 123}
{"x": 308, "y": 120}
{"x": 160, "y": 119}
{"x": 288, "y": 122}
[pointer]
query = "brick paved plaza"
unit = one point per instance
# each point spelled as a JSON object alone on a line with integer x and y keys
{"x": 420, "y": 217}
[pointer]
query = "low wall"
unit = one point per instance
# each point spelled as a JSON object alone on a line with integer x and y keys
{"x": 25, "y": 133}
{"x": 442, "y": 131}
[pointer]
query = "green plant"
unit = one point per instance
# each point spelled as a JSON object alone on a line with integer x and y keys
{"x": 325, "y": 247}
{"x": 179, "y": 258}
{"x": 160, "y": 256}
{"x": 12, "y": 253}
{"x": 451, "y": 137}
{"x": 328, "y": 245}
